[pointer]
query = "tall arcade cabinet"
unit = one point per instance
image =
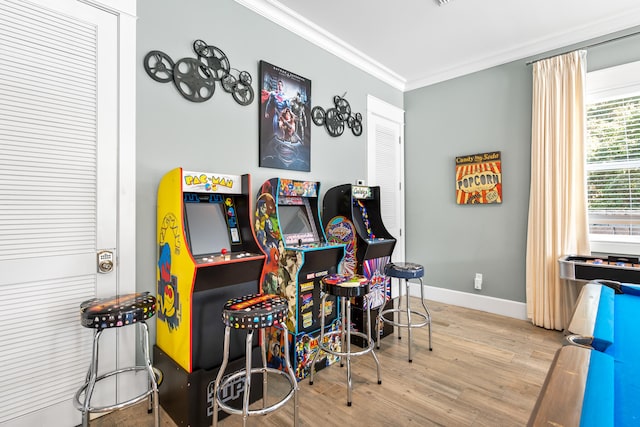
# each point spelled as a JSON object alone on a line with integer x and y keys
{"x": 351, "y": 215}
{"x": 289, "y": 230}
{"x": 207, "y": 254}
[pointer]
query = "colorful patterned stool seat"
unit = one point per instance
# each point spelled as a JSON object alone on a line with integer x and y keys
{"x": 117, "y": 311}
{"x": 254, "y": 311}
{"x": 406, "y": 316}
{"x": 341, "y": 285}
{"x": 404, "y": 270}
{"x": 344, "y": 287}
{"x": 102, "y": 314}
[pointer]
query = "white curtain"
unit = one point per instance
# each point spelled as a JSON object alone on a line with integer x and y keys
{"x": 557, "y": 201}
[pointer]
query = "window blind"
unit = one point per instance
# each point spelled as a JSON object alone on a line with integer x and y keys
{"x": 613, "y": 166}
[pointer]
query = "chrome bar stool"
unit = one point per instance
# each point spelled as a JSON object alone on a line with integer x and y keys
{"x": 406, "y": 271}
{"x": 115, "y": 312}
{"x": 251, "y": 312}
{"x": 344, "y": 287}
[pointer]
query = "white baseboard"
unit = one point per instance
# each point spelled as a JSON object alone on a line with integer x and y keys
{"x": 503, "y": 307}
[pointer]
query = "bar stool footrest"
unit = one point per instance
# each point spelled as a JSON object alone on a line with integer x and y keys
{"x": 365, "y": 350}
{"x": 97, "y": 409}
{"x": 427, "y": 319}
{"x": 262, "y": 411}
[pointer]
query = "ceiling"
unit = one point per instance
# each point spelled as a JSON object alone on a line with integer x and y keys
{"x": 415, "y": 43}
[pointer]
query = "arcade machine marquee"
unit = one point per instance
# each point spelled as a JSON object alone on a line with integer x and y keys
{"x": 207, "y": 254}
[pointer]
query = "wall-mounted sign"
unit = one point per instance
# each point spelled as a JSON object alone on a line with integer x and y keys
{"x": 479, "y": 178}
{"x": 285, "y": 131}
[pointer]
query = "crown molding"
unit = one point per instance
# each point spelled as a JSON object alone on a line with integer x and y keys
{"x": 283, "y": 16}
{"x": 573, "y": 38}
{"x": 301, "y": 26}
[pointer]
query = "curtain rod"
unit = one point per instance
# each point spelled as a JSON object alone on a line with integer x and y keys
{"x": 587, "y": 46}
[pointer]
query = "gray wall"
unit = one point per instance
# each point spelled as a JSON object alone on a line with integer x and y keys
{"x": 485, "y": 111}
{"x": 219, "y": 135}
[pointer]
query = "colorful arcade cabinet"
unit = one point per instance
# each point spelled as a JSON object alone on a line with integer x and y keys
{"x": 207, "y": 254}
{"x": 289, "y": 231}
{"x": 351, "y": 215}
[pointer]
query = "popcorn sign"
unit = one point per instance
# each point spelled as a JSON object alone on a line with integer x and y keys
{"x": 479, "y": 179}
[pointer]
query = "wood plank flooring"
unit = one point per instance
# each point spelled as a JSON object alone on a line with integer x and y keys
{"x": 484, "y": 370}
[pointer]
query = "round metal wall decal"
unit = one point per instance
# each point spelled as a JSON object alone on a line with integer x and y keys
{"x": 333, "y": 123}
{"x": 335, "y": 118}
{"x": 192, "y": 80}
{"x": 195, "y": 77}
{"x": 159, "y": 66}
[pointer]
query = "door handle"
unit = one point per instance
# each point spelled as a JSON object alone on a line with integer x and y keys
{"x": 105, "y": 262}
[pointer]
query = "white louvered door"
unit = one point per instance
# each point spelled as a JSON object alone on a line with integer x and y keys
{"x": 385, "y": 161}
{"x": 58, "y": 199}
{"x": 385, "y": 168}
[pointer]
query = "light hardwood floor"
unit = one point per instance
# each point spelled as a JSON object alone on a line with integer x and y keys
{"x": 484, "y": 370}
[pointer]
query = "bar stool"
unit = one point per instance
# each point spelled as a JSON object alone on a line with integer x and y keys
{"x": 115, "y": 312}
{"x": 251, "y": 312}
{"x": 406, "y": 271}
{"x": 344, "y": 287}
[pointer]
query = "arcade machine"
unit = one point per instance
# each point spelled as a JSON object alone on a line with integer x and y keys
{"x": 288, "y": 228}
{"x": 207, "y": 254}
{"x": 577, "y": 270}
{"x": 351, "y": 215}
{"x": 621, "y": 268}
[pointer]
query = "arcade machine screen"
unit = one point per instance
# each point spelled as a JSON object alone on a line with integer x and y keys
{"x": 206, "y": 227}
{"x": 295, "y": 224}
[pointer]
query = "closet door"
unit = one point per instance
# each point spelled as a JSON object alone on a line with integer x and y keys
{"x": 58, "y": 200}
{"x": 385, "y": 165}
{"x": 385, "y": 168}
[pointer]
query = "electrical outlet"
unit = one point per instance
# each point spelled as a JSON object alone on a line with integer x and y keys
{"x": 477, "y": 283}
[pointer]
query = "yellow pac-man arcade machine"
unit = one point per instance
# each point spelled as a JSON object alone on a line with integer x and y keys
{"x": 207, "y": 254}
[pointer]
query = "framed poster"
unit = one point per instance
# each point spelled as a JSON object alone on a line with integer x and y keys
{"x": 285, "y": 128}
{"x": 479, "y": 179}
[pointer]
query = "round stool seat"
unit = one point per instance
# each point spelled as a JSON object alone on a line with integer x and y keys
{"x": 343, "y": 285}
{"x": 117, "y": 311}
{"x": 404, "y": 270}
{"x": 254, "y": 311}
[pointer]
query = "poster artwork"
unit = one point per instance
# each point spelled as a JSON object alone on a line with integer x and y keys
{"x": 285, "y": 128}
{"x": 479, "y": 179}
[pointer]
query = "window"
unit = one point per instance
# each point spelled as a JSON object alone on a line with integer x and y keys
{"x": 613, "y": 159}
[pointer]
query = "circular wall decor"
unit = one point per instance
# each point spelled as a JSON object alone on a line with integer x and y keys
{"x": 159, "y": 66}
{"x": 192, "y": 80}
{"x": 334, "y": 119}
{"x": 195, "y": 77}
